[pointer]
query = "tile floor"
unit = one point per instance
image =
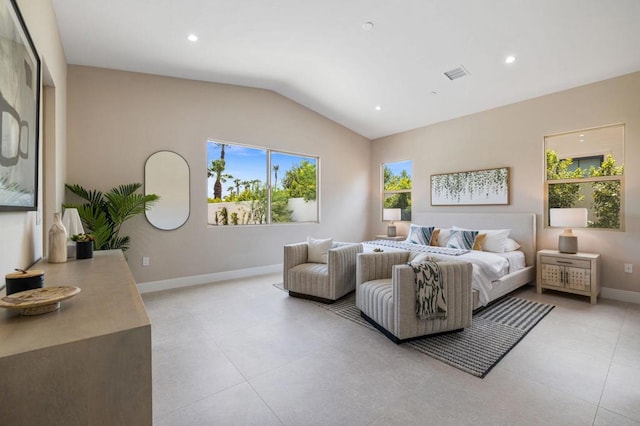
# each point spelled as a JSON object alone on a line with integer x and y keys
{"x": 244, "y": 353}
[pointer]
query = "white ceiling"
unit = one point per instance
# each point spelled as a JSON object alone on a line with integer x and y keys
{"x": 316, "y": 52}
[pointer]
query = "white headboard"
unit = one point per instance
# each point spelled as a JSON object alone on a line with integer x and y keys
{"x": 522, "y": 226}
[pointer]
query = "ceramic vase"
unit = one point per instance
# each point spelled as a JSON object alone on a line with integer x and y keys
{"x": 57, "y": 241}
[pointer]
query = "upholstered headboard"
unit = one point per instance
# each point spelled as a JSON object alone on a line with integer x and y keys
{"x": 522, "y": 226}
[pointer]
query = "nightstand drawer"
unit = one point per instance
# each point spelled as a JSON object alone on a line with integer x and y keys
{"x": 396, "y": 238}
{"x": 574, "y": 263}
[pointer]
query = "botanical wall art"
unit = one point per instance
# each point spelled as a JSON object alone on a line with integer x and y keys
{"x": 19, "y": 109}
{"x": 478, "y": 187}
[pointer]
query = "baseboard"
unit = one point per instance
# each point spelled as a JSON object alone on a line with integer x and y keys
{"x": 151, "y": 286}
{"x": 172, "y": 283}
{"x": 620, "y": 295}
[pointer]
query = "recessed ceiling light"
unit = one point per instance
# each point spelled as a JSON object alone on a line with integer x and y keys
{"x": 367, "y": 26}
{"x": 378, "y": 107}
{"x": 192, "y": 37}
{"x": 510, "y": 59}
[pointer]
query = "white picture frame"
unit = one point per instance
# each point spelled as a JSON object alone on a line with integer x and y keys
{"x": 471, "y": 188}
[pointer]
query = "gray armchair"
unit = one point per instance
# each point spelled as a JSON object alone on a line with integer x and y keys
{"x": 324, "y": 282}
{"x": 386, "y": 296}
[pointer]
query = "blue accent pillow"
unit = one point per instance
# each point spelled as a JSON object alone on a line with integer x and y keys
{"x": 460, "y": 239}
{"x": 420, "y": 234}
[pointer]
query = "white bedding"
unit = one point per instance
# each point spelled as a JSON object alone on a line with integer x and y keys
{"x": 516, "y": 260}
{"x": 487, "y": 266}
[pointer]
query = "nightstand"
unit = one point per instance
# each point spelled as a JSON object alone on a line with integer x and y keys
{"x": 396, "y": 238}
{"x": 572, "y": 273}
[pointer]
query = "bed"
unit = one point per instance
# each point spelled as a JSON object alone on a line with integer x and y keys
{"x": 494, "y": 274}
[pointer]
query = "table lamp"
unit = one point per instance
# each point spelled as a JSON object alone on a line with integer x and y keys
{"x": 73, "y": 224}
{"x": 391, "y": 214}
{"x": 568, "y": 218}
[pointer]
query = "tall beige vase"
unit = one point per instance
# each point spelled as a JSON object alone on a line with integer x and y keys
{"x": 57, "y": 241}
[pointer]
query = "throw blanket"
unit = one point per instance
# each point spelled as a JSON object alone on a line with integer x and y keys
{"x": 430, "y": 299}
{"x": 419, "y": 247}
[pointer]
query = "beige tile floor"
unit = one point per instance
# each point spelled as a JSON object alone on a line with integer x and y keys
{"x": 244, "y": 353}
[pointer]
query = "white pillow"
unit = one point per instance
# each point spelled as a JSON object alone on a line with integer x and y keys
{"x": 511, "y": 245}
{"x": 495, "y": 240}
{"x": 318, "y": 251}
{"x": 443, "y": 237}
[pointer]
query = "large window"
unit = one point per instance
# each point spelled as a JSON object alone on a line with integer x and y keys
{"x": 255, "y": 186}
{"x": 396, "y": 187}
{"x": 584, "y": 169}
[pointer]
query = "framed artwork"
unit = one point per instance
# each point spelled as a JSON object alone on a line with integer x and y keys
{"x": 478, "y": 187}
{"x": 19, "y": 112}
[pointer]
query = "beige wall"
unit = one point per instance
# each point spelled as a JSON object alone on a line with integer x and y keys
{"x": 513, "y": 136}
{"x": 117, "y": 119}
{"x": 21, "y": 241}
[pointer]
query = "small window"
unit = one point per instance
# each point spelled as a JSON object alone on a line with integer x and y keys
{"x": 256, "y": 186}
{"x": 294, "y": 180}
{"x": 584, "y": 163}
{"x": 396, "y": 188}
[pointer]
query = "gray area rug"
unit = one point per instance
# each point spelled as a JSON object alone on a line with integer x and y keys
{"x": 477, "y": 349}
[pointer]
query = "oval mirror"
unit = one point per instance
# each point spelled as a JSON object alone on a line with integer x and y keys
{"x": 166, "y": 174}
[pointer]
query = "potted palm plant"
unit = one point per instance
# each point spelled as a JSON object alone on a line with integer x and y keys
{"x": 104, "y": 213}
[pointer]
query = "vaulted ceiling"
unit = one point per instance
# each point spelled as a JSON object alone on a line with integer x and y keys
{"x": 375, "y": 66}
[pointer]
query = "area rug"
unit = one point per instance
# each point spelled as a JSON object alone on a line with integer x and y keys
{"x": 495, "y": 330}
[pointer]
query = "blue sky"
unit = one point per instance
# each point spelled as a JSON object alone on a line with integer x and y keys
{"x": 247, "y": 163}
{"x": 399, "y": 166}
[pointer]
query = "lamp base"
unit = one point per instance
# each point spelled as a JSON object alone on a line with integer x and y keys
{"x": 391, "y": 231}
{"x": 568, "y": 244}
{"x": 71, "y": 249}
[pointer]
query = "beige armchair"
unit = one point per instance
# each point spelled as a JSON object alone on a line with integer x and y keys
{"x": 324, "y": 282}
{"x": 386, "y": 296}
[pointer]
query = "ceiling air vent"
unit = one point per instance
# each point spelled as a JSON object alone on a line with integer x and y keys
{"x": 456, "y": 73}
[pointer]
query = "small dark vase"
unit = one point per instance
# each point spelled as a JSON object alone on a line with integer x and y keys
{"x": 84, "y": 249}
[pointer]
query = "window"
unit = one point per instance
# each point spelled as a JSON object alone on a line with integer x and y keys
{"x": 396, "y": 187}
{"x": 255, "y": 186}
{"x": 584, "y": 169}
{"x": 585, "y": 163}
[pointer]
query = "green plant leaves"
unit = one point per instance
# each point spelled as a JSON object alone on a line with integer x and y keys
{"x": 104, "y": 214}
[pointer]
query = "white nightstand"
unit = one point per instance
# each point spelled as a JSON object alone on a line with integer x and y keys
{"x": 572, "y": 273}
{"x": 396, "y": 238}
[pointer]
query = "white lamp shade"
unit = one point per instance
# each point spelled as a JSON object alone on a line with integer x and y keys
{"x": 391, "y": 214}
{"x": 568, "y": 218}
{"x": 72, "y": 222}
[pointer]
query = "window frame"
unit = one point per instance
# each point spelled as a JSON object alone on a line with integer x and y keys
{"x": 390, "y": 192}
{"x": 587, "y": 179}
{"x": 268, "y": 183}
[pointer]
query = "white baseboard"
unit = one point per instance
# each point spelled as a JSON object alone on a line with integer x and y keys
{"x": 620, "y": 295}
{"x": 152, "y": 286}
{"x": 149, "y": 287}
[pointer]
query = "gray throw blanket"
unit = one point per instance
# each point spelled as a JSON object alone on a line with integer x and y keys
{"x": 430, "y": 299}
